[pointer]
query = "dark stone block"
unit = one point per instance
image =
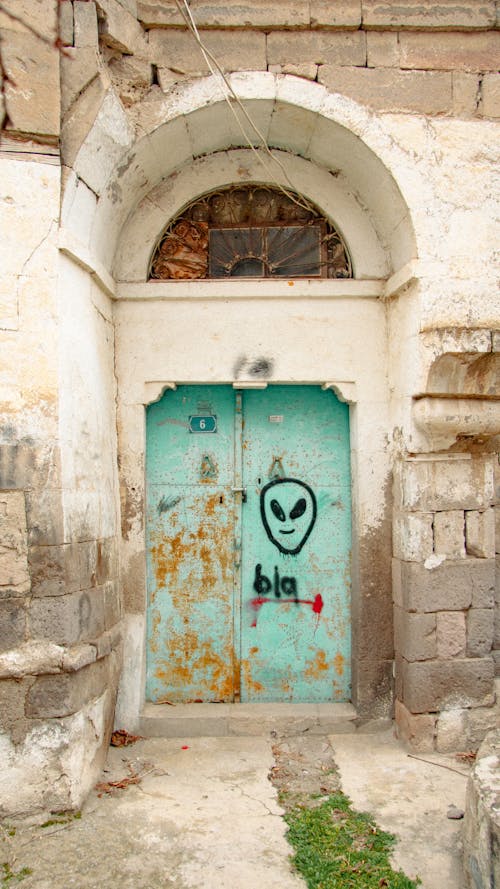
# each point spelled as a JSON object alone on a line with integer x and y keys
{"x": 12, "y": 623}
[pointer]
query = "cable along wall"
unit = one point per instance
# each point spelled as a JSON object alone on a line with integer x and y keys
{"x": 250, "y": 231}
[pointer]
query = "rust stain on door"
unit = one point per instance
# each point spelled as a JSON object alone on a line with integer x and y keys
{"x": 190, "y": 549}
{"x": 248, "y": 532}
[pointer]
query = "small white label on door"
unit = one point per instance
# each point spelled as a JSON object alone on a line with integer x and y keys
{"x": 276, "y": 418}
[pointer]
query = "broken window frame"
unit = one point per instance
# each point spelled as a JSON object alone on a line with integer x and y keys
{"x": 185, "y": 249}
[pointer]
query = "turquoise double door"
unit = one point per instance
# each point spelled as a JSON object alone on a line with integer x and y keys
{"x": 248, "y": 545}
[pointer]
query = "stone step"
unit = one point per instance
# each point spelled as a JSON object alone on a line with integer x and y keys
{"x": 220, "y": 720}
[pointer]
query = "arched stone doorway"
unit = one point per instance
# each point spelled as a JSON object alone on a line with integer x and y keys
{"x": 326, "y": 333}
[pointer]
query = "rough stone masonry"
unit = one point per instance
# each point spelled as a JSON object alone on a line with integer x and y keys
{"x": 386, "y": 116}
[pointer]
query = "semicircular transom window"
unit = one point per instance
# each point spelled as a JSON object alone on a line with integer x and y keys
{"x": 252, "y": 231}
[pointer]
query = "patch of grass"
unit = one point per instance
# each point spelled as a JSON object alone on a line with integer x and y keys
{"x": 337, "y": 848}
{"x": 8, "y": 876}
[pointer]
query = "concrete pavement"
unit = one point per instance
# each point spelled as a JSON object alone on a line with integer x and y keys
{"x": 410, "y": 798}
{"x": 204, "y": 814}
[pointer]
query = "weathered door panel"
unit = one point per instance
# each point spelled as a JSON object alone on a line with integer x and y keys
{"x": 190, "y": 520}
{"x": 258, "y": 582}
{"x": 295, "y": 627}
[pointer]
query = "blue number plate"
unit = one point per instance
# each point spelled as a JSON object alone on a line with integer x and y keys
{"x": 203, "y": 423}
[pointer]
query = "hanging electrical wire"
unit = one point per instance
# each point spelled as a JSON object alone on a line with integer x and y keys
{"x": 231, "y": 97}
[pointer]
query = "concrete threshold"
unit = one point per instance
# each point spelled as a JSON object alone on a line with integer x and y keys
{"x": 222, "y": 720}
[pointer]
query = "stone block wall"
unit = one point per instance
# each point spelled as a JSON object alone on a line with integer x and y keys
{"x": 496, "y": 626}
{"x": 60, "y": 606}
{"x": 444, "y": 575}
{"x": 408, "y": 62}
{"x": 59, "y": 645}
{"x": 419, "y": 58}
{"x": 423, "y": 58}
{"x": 31, "y": 93}
{"x": 60, "y": 601}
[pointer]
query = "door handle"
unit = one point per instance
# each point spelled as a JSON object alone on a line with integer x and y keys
{"x": 242, "y": 491}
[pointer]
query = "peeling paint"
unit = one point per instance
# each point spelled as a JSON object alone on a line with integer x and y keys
{"x": 293, "y": 609}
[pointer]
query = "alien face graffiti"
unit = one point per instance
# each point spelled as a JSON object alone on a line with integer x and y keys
{"x": 288, "y": 510}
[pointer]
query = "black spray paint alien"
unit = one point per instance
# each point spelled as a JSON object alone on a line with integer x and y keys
{"x": 288, "y": 510}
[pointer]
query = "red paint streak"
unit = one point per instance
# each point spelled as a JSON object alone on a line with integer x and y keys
{"x": 316, "y": 604}
{"x": 185, "y": 747}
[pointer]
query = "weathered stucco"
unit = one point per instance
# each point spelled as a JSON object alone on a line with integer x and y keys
{"x": 481, "y": 822}
{"x": 386, "y": 117}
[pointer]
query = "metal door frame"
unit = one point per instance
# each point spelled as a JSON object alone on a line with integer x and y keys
{"x": 238, "y": 482}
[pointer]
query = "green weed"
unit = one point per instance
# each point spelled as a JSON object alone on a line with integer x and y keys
{"x": 62, "y": 818}
{"x": 8, "y": 876}
{"x": 337, "y": 848}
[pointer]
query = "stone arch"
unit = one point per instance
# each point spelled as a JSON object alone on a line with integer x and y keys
{"x": 141, "y": 230}
{"x": 131, "y": 179}
{"x": 122, "y": 166}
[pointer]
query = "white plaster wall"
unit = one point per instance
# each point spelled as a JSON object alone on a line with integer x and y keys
{"x": 133, "y": 676}
{"x": 202, "y": 340}
{"x": 447, "y": 171}
{"x": 56, "y": 375}
{"x": 309, "y": 340}
{"x": 437, "y": 176}
{"x": 407, "y": 366}
{"x": 400, "y": 186}
{"x": 57, "y": 762}
{"x": 87, "y": 423}
{"x": 331, "y": 194}
{"x": 29, "y": 209}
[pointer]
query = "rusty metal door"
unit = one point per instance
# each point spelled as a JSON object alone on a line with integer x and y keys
{"x": 295, "y": 626}
{"x": 248, "y": 545}
{"x": 190, "y": 548}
